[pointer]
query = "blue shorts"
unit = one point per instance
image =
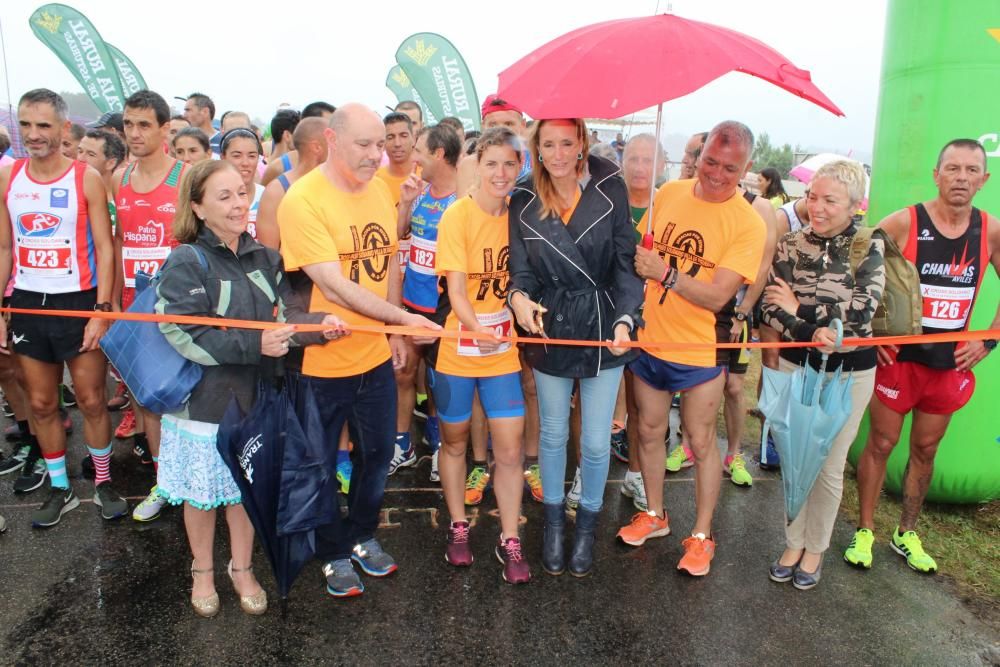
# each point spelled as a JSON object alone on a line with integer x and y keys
{"x": 500, "y": 396}
{"x": 670, "y": 377}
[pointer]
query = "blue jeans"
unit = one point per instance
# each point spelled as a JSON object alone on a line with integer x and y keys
{"x": 597, "y": 404}
{"x": 363, "y": 401}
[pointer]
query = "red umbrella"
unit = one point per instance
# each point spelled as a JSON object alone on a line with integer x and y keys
{"x": 614, "y": 68}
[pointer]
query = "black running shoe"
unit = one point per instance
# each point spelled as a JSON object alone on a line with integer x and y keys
{"x": 141, "y": 449}
{"x": 112, "y": 505}
{"x": 421, "y": 409}
{"x": 58, "y": 503}
{"x": 15, "y": 461}
{"x": 32, "y": 475}
{"x": 67, "y": 396}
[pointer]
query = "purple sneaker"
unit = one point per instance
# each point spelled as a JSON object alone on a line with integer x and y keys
{"x": 515, "y": 568}
{"x": 458, "y": 552}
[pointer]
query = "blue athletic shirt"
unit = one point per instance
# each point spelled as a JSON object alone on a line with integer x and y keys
{"x": 420, "y": 284}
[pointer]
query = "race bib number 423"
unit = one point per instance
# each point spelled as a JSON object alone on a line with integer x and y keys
{"x": 50, "y": 257}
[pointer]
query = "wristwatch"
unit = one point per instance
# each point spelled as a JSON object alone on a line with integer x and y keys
{"x": 104, "y": 307}
{"x": 990, "y": 344}
{"x": 742, "y": 317}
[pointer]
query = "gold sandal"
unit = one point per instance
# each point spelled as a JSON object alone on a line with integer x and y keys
{"x": 208, "y": 606}
{"x": 255, "y": 604}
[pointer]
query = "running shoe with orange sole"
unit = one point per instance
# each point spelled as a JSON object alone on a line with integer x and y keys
{"x": 698, "y": 553}
{"x": 476, "y": 484}
{"x": 644, "y": 525}
{"x": 126, "y": 428}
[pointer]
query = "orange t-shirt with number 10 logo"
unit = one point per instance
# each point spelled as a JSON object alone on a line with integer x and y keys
{"x": 475, "y": 243}
{"x": 697, "y": 238}
{"x": 320, "y": 223}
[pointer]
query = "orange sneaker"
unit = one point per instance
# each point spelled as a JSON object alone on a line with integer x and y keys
{"x": 698, "y": 553}
{"x": 643, "y": 526}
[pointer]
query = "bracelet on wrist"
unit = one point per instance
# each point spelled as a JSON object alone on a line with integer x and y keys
{"x": 668, "y": 282}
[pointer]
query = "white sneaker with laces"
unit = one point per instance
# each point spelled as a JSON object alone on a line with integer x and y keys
{"x": 435, "y": 474}
{"x": 633, "y": 488}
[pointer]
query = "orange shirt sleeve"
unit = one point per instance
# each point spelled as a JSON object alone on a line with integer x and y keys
{"x": 305, "y": 236}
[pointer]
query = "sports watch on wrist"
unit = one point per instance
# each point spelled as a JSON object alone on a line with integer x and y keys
{"x": 990, "y": 344}
{"x": 104, "y": 307}
{"x": 742, "y": 317}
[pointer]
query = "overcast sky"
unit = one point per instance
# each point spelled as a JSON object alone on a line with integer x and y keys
{"x": 254, "y": 56}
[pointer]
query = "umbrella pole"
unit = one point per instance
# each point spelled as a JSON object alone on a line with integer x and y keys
{"x": 647, "y": 239}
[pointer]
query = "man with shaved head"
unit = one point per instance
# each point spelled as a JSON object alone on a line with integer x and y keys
{"x": 338, "y": 240}
{"x": 311, "y": 146}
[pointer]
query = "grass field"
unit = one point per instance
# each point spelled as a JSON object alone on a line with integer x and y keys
{"x": 963, "y": 539}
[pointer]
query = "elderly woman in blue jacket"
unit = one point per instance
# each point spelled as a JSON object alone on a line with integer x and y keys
{"x": 237, "y": 278}
{"x": 572, "y": 246}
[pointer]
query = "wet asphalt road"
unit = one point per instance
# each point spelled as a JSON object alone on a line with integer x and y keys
{"x": 89, "y": 592}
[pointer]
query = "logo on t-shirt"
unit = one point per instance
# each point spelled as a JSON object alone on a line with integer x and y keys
{"x": 371, "y": 250}
{"x": 37, "y": 225}
{"x": 493, "y": 278}
{"x": 59, "y": 198}
{"x": 686, "y": 252}
{"x": 925, "y": 235}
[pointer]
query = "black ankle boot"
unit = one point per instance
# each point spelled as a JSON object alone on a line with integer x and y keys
{"x": 553, "y": 554}
{"x": 581, "y": 561}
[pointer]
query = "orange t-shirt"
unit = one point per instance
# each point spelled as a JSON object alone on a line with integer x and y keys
{"x": 698, "y": 238}
{"x": 393, "y": 182}
{"x": 320, "y": 223}
{"x": 566, "y": 214}
{"x": 475, "y": 243}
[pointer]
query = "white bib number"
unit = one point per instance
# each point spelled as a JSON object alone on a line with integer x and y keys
{"x": 946, "y": 307}
{"x": 422, "y": 256}
{"x": 147, "y": 260}
{"x": 500, "y": 322}
{"x": 44, "y": 257}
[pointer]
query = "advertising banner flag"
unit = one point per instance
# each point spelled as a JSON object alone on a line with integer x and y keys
{"x": 128, "y": 73}
{"x": 438, "y": 72}
{"x": 403, "y": 89}
{"x": 72, "y": 37}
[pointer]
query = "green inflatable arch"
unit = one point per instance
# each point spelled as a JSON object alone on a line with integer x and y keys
{"x": 940, "y": 76}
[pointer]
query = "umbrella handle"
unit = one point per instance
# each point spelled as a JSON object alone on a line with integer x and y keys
{"x": 838, "y": 327}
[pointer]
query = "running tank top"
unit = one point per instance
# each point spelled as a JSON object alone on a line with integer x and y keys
{"x": 951, "y": 271}
{"x": 286, "y": 163}
{"x": 794, "y": 223}
{"x": 147, "y": 220}
{"x": 420, "y": 285}
{"x": 258, "y": 192}
{"x": 53, "y": 245}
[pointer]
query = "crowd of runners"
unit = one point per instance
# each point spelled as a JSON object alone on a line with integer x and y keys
{"x": 345, "y": 217}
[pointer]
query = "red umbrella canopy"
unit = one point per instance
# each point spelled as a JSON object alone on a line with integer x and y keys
{"x": 614, "y": 68}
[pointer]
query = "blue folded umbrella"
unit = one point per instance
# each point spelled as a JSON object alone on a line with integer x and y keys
{"x": 279, "y": 463}
{"x": 804, "y": 410}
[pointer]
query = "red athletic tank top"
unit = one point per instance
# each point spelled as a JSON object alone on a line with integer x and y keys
{"x": 146, "y": 220}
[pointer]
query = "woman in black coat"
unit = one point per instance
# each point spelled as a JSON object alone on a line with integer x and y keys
{"x": 571, "y": 265}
